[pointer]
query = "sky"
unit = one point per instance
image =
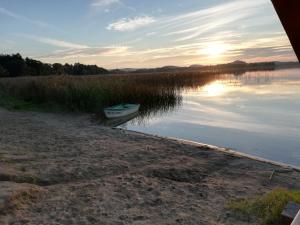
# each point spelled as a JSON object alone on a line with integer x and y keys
{"x": 143, "y": 33}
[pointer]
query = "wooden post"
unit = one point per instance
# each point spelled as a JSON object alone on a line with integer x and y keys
{"x": 289, "y": 14}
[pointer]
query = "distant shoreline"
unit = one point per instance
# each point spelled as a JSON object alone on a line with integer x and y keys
{"x": 16, "y": 66}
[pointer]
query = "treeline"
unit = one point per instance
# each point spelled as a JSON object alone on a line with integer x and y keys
{"x": 234, "y": 67}
{"x": 15, "y": 66}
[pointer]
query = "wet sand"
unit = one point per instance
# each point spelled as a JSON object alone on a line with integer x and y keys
{"x": 66, "y": 169}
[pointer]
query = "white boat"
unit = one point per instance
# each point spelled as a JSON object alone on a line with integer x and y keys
{"x": 115, "y": 122}
{"x": 121, "y": 110}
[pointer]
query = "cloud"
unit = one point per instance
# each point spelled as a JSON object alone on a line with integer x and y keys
{"x": 70, "y": 50}
{"x": 107, "y": 51}
{"x": 185, "y": 53}
{"x": 130, "y": 24}
{"x": 246, "y": 28}
{"x": 194, "y": 24}
{"x": 60, "y": 43}
{"x": 55, "y": 42}
{"x": 215, "y": 12}
{"x": 104, "y": 3}
{"x": 16, "y": 16}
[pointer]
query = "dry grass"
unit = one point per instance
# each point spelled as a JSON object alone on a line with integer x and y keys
{"x": 92, "y": 93}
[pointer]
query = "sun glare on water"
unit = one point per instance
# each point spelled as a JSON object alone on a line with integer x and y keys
{"x": 214, "y": 89}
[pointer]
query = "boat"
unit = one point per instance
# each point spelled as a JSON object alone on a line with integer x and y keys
{"x": 121, "y": 110}
{"x": 119, "y": 121}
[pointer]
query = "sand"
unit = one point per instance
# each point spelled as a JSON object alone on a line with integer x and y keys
{"x": 67, "y": 169}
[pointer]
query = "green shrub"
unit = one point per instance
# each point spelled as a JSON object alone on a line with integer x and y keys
{"x": 267, "y": 208}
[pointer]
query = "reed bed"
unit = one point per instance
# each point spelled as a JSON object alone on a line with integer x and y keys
{"x": 93, "y": 93}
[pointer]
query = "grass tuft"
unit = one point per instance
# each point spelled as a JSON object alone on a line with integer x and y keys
{"x": 267, "y": 208}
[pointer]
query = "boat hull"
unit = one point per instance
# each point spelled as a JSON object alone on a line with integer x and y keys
{"x": 116, "y": 113}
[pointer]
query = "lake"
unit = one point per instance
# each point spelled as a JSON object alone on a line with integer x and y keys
{"x": 257, "y": 113}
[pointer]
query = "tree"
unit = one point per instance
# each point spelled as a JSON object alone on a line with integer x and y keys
{"x": 37, "y": 68}
{"x": 58, "y": 69}
{"x": 3, "y": 72}
{"x": 15, "y": 65}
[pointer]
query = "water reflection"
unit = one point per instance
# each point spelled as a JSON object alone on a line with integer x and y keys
{"x": 256, "y": 113}
{"x": 163, "y": 93}
{"x": 216, "y": 88}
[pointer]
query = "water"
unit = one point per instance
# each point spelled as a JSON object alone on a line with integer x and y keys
{"x": 257, "y": 113}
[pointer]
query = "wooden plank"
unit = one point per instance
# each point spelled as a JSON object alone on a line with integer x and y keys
{"x": 289, "y": 14}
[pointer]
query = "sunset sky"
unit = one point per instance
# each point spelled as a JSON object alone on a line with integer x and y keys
{"x": 143, "y": 33}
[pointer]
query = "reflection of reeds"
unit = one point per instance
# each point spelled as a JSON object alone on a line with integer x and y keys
{"x": 155, "y": 92}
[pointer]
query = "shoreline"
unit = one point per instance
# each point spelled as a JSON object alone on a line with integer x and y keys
{"x": 239, "y": 154}
{"x": 219, "y": 149}
{"x": 66, "y": 169}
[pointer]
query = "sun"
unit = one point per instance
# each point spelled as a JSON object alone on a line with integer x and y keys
{"x": 215, "y": 49}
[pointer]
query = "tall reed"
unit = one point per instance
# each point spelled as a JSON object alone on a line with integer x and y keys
{"x": 93, "y": 93}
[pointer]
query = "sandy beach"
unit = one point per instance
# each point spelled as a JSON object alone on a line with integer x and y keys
{"x": 67, "y": 169}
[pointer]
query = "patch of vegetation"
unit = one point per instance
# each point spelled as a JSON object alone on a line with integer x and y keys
{"x": 93, "y": 93}
{"x": 267, "y": 208}
{"x": 21, "y": 198}
{"x": 13, "y": 103}
{"x": 10, "y": 101}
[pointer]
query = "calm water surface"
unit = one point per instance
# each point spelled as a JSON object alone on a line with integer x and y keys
{"x": 256, "y": 113}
